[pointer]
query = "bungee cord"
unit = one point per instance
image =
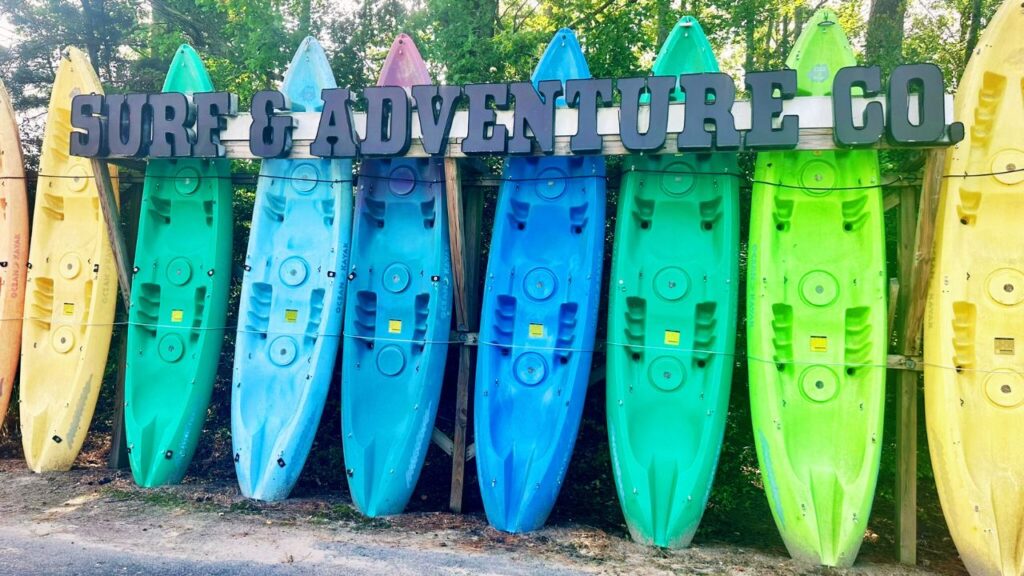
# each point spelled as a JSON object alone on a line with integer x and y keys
{"x": 899, "y": 179}
{"x": 736, "y": 355}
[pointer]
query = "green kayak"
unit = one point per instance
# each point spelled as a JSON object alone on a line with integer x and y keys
{"x": 178, "y": 301}
{"x": 816, "y": 325}
{"x": 672, "y": 322}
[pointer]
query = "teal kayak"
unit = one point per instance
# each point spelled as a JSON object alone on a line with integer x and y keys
{"x": 178, "y": 301}
{"x": 672, "y": 322}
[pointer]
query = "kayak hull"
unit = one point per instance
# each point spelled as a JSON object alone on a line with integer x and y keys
{"x": 540, "y": 307}
{"x": 817, "y": 334}
{"x": 672, "y": 323}
{"x": 973, "y": 375}
{"x": 397, "y": 321}
{"x": 398, "y": 313}
{"x": 672, "y": 318}
{"x": 537, "y": 333}
{"x": 13, "y": 248}
{"x": 293, "y": 294}
{"x": 178, "y": 301}
{"x": 71, "y": 288}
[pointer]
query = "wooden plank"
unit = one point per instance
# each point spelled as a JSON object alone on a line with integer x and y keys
{"x": 442, "y": 441}
{"x": 906, "y": 466}
{"x": 814, "y": 112}
{"x": 112, "y": 220}
{"x": 459, "y": 436}
{"x": 906, "y": 394}
{"x": 130, "y": 208}
{"x": 118, "y": 456}
{"x": 915, "y": 258}
{"x": 456, "y": 240}
{"x": 472, "y": 224}
{"x": 890, "y": 200}
{"x": 923, "y": 252}
{"x": 906, "y": 382}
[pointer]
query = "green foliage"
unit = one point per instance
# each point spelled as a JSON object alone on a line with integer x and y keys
{"x": 941, "y": 32}
{"x": 105, "y": 30}
{"x": 362, "y": 37}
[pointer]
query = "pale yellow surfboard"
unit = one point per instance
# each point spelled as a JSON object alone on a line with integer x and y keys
{"x": 13, "y": 247}
{"x": 974, "y": 329}
{"x": 71, "y": 288}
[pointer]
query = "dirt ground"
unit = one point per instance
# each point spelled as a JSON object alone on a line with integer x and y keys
{"x": 94, "y": 520}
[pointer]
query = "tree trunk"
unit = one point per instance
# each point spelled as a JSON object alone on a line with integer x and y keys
{"x": 884, "y": 43}
{"x": 748, "y": 40}
{"x": 972, "y": 32}
{"x": 663, "y": 7}
{"x": 784, "y": 37}
{"x": 159, "y": 25}
{"x": 799, "y": 17}
{"x": 305, "y": 18}
{"x": 92, "y": 43}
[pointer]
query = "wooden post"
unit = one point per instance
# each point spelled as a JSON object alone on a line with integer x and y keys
{"x": 118, "y": 457}
{"x": 473, "y": 205}
{"x": 112, "y": 219}
{"x": 917, "y": 235}
{"x": 463, "y": 238}
{"x": 906, "y": 394}
{"x": 108, "y": 196}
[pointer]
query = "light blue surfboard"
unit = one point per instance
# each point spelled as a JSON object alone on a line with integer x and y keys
{"x": 293, "y": 293}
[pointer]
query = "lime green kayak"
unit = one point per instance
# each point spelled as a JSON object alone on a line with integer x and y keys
{"x": 816, "y": 325}
{"x": 672, "y": 322}
{"x": 178, "y": 301}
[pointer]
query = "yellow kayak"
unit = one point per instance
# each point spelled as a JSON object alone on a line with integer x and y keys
{"x": 13, "y": 247}
{"x": 974, "y": 329}
{"x": 71, "y": 288}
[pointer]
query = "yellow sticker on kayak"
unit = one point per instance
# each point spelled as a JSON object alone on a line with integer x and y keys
{"x": 394, "y": 326}
{"x": 291, "y": 316}
{"x": 671, "y": 337}
{"x": 69, "y": 309}
{"x": 177, "y": 315}
{"x": 1005, "y": 346}
{"x": 819, "y": 343}
{"x": 536, "y": 330}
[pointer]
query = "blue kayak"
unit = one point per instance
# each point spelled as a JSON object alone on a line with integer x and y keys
{"x": 397, "y": 315}
{"x": 292, "y": 296}
{"x": 539, "y": 317}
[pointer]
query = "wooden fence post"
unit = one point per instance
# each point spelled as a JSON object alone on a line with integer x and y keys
{"x": 453, "y": 187}
{"x": 130, "y": 208}
{"x": 108, "y": 197}
{"x": 917, "y": 235}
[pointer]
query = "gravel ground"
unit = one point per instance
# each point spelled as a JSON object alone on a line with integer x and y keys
{"x": 95, "y": 521}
